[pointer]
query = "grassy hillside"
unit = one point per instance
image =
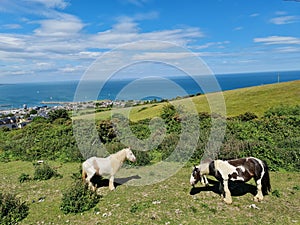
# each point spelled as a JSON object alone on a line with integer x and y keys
{"x": 167, "y": 202}
{"x": 254, "y": 99}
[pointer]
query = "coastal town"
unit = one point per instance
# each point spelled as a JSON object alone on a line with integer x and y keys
{"x": 19, "y": 118}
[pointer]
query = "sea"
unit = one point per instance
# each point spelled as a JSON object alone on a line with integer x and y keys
{"x": 18, "y": 95}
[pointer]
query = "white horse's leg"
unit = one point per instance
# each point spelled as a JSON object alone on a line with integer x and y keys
{"x": 227, "y": 198}
{"x": 111, "y": 183}
{"x": 90, "y": 172}
{"x": 259, "y": 196}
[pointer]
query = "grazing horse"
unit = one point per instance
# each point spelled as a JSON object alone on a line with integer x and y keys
{"x": 108, "y": 166}
{"x": 234, "y": 170}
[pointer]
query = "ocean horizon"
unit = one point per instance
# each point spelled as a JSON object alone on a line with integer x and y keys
{"x": 35, "y": 94}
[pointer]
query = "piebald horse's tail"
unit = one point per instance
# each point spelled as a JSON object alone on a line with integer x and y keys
{"x": 266, "y": 185}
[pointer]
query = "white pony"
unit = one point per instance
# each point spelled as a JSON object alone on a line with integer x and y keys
{"x": 108, "y": 166}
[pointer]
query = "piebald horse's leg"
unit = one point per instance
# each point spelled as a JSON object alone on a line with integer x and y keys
{"x": 204, "y": 180}
{"x": 227, "y": 198}
{"x": 259, "y": 196}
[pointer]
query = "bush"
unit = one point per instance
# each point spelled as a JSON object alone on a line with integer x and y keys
{"x": 12, "y": 210}
{"x": 59, "y": 113}
{"x": 247, "y": 116}
{"x": 44, "y": 172}
{"x": 78, "y": 198}
{"x": 24, "y": 177}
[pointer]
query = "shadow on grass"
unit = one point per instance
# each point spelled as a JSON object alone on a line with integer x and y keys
{"x": 101, "y": 182}
{"x": 236, "y": 188}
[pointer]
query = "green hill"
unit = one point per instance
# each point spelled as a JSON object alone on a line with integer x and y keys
{"x": 253, "y": 99}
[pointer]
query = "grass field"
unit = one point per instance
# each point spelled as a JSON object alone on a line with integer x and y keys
{"x": 166, "y": 202}
{"x": 253, "y": 99}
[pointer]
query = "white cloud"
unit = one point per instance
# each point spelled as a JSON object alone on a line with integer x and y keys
{"x": 281, "y": 13}
{"x": 161, "y": 55}
{"x": 146, "y": 16}
{"x": 276, "y": 40}
{"x": 72, "y": 69}
{"x": 284, "y": 20}
{"x": 136, "y": 2}
{"x": 289, "y": 49}
{"x": 12, "y": 26}
{"x": 66, "y": 27}
{"x": 10, "y": 42}
{"x": 238, "y": 28}
{"x": 34, "y": 7}
{"x": 61, "y": 4}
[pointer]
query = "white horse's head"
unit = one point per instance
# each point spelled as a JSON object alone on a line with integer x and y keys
{"x": 129, "y": 155}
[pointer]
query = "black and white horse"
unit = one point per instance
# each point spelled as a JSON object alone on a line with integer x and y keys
{"x": 234, "y": 170}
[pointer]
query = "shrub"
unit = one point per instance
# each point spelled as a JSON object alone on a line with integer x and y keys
{"x": 78, "y": 198}
{"x": 44, "y": 172}
{"x": 247, "y": 116}
{"x": 59, "y": 113}
{"x": 24, "y": 177}
{"x": 276, "y": 193}
{"x": 12, "y": 210}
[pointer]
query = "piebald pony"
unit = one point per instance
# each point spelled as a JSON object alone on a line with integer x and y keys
{"x": 234, "y": 170}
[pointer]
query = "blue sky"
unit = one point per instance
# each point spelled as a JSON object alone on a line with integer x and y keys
{"x": 45, "y": 40}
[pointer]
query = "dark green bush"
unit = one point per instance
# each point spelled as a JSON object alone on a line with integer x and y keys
{"x": 78, "y": 198}
{"x": 12, "y": 210}
{"x": 24, "y": 177}
{"x": 59, "y": 113}
{"x": 44, "y": 172}
{"x": 247, "y": 116}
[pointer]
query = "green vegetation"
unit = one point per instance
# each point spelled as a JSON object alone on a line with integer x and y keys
{"x": 260, "y": 126}
{"x": 272, "y": 136}
{"x": 12, "y": 210}
{"x": 167, "y": 202}
{"x": 253, "y": 99}
{"x": 44, "y": 172}
{"x": 78, "y": 198}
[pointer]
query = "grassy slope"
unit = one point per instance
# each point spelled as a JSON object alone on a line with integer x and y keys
{"x": 254, "y": 99}
{"x": 167, "y": 202}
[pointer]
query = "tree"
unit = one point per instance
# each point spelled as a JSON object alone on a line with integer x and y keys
{"x": 59, "y": 113}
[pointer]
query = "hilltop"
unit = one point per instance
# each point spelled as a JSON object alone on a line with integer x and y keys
{"x": 256, "y": 99}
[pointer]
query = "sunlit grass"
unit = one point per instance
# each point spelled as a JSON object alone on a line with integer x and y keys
{"x": 166, "y": 202}
{"x": 254, "y": 99}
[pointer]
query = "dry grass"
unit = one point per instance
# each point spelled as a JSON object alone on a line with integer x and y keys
{"x": 167, "y": 202}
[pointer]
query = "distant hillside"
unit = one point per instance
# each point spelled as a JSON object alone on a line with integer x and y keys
{"x": 253, "y": 99}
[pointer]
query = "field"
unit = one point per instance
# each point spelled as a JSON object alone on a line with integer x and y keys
{"x": 253, "y": 99}
{"x": 149, "y": 196}
{"x": 172, "y": 201}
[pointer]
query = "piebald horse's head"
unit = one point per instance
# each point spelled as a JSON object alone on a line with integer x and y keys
{"x": 129, "y": 155}
{"x": 199, "y": 172}
{"x": 195, "y": 176}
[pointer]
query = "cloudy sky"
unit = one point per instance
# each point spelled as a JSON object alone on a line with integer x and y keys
{"x": 45, "y": 40}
